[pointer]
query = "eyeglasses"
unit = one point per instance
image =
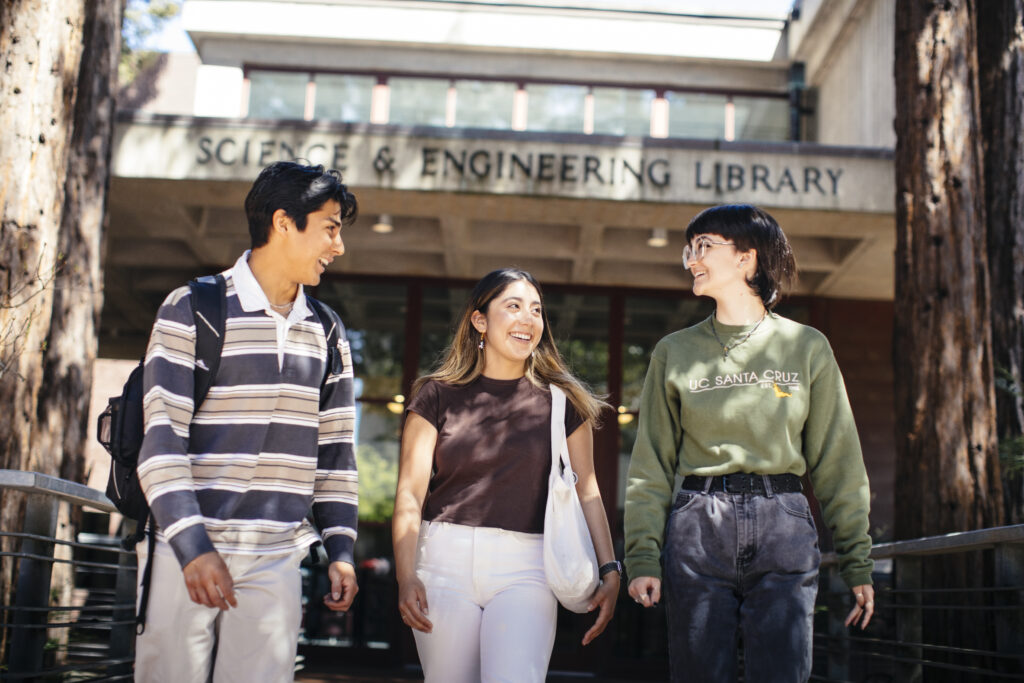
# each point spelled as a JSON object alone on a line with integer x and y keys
{"x": 695, "y": 250}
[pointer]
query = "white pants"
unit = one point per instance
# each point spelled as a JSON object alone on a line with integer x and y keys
{"x": 255, "y": 641}
{"x": 487, "y": 597}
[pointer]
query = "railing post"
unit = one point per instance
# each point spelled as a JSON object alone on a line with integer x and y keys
{"x": 838, "y": 645}
{"x": 1010, "y": 623}
{"x": 122, "y": 637}
{"x": 28, "y": 636}
{"x": 908, "y": 617}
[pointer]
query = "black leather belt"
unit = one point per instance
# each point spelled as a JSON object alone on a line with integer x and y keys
{"x": 742, "y": 482}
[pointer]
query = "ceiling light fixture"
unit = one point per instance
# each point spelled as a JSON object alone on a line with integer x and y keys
{"x": 658, "y": 238}
{"x": 383, "y": 225}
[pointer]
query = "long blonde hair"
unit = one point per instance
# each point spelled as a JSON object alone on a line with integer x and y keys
{"x": 464, "y": 360}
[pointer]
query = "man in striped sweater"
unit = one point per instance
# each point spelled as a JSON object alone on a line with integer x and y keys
{"x": 231, "y": 484}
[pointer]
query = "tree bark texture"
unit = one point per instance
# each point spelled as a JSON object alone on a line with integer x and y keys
{"x": 63, "y": 405}
{"x": 947, "y": 457}
{"x": 62, "y": 409}
{"x": 41, "y": 45}
{"x": 1001, "y": 64}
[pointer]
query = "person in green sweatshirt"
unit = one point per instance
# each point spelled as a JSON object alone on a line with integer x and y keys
{"x": 740, "y": 407}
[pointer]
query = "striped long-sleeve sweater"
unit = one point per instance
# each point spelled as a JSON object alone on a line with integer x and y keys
{"x": 241, "y": 474}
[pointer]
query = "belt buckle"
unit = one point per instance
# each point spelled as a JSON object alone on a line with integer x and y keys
{"x": 734, "y": 483}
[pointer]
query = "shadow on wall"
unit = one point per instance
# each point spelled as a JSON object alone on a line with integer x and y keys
{"x": 165, "y": 84}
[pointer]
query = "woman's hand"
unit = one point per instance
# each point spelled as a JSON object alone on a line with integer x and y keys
{"x": 417, "y": 455}
{"x": 864, "y": 605}
{"x": 646, "y": 590}
{"x": 412, "y": 603}
{"x": 581, "y": 457}
{"x": 604, "y": 598}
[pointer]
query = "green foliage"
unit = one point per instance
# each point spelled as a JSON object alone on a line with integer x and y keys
{"x": 588, "y": 360}
{"x": 143, "y": 19}
{"x": 378, "y": 477}
{"x": 1011, "y": 447}
{"x": 1006, "y": 382}
{"x": 1011, "y": 454}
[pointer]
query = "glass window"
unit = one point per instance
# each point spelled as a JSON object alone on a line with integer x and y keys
{"x": 647, "y": 320}
{"x": 442, "y": 307}
{"x": 622, "y": 111}
{"x": 579, "y": 325}
{"x": 277, "y": 94}
{"x": 760, "y": 118}
{"x": 555, "y": 107}
{"x": 374, "y": 317}
{"x": 693, "y": 115}
{"x": 418, "y": 101}
{"x": 484, "y": 104}
{"x": 343, "y": 98}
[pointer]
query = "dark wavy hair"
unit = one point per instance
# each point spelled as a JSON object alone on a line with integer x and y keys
{"x": 300, "y": 190}
{"x": 749, "y": 227}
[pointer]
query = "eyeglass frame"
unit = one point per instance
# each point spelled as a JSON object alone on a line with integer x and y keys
{"x": 704, "y": 243}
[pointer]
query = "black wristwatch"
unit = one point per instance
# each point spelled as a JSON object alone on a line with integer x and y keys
{"x": 609, "y": 567}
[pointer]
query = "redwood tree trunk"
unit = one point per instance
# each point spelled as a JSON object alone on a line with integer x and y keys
{"x": 1001, "y": 61}
{"x": 42, "y": 44}
{"x": 62, "y": 409}
{"x": 947, "y": 458}
{"x": 63, "y": 405}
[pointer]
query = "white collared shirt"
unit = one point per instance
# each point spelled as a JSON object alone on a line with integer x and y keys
{"x": 252, "y": 298}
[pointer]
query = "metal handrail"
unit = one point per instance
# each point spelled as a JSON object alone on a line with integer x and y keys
{"x": 29, "y": 622}
{"x": 36, "y": 482}
{"x": 960, "y": 541}
{"x": 899, "y": 645}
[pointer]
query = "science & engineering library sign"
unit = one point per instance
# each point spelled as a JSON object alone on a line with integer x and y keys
{"x": 515, "y": 163}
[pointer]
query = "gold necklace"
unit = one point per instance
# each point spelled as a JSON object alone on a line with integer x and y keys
{"x": 726, "y": 348}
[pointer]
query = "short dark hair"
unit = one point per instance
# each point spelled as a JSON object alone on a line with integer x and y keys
{"x": 299, "y": 190}
{"x": 749, "y": 227}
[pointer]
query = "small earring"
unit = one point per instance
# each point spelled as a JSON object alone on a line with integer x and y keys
{"x": 481, "y": 344}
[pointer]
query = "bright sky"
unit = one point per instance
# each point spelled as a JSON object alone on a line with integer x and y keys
{"x": 174, "y": 39}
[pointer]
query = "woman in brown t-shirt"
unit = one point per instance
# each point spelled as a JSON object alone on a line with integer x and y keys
{"x": 472, "y": 485}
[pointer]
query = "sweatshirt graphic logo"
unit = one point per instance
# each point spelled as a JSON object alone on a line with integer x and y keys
{"x": 779, "y": 393}
{"x": 782, "y": 382}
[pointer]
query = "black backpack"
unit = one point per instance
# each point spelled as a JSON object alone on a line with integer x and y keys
{"x": 120, "y": 429}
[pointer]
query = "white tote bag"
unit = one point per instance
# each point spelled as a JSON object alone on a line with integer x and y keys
{"x": 570, "y": 562}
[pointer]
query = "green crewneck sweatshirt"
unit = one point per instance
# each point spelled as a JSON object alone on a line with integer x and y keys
{"x": 776, "y": 404}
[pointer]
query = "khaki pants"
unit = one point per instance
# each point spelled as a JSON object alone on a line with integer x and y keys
{"x": 255, "y": 641}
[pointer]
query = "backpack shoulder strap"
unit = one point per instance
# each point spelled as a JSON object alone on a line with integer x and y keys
{"x": 209, "y": 308}
{"x": 333, "y": 331}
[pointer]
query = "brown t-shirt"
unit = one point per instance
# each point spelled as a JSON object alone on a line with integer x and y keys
{"x": 493, "y": 452}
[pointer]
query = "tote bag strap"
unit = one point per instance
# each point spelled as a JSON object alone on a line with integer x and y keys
{"x": 559, "y": 448}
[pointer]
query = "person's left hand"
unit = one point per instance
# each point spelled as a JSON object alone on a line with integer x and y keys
{"x": 604, "y": 598}
{"x": 864, "y": 605}
{"x": 343, "y": 586}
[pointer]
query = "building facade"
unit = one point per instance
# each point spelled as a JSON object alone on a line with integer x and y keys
{"x": 573, "y": 139}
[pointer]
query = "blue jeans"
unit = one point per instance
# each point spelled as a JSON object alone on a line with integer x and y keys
{"x": 740, "y": 564}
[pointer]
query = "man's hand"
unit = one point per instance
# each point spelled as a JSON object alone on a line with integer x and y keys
{"x": 209, "y": 582}
{"x": 343, "y": 586}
